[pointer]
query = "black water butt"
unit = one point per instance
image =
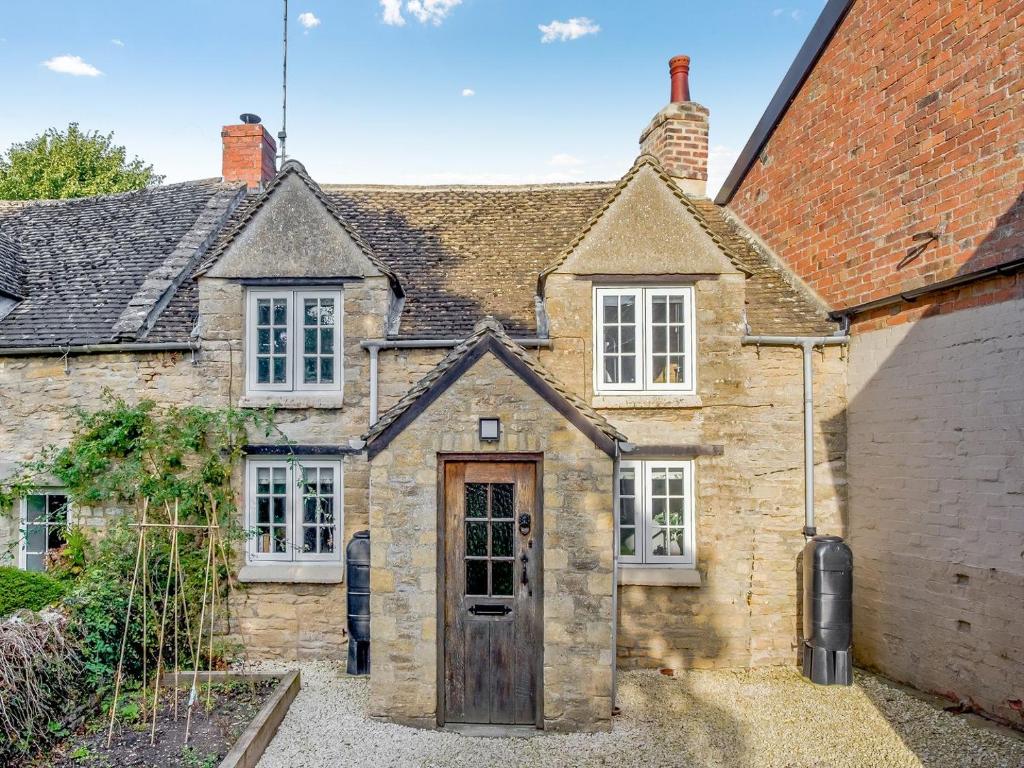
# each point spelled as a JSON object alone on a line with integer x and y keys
{"x": 828, "y": 611}
{"x": 357, "y": 560}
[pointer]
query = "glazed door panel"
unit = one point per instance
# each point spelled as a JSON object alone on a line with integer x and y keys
{"x": 492, "y": 550}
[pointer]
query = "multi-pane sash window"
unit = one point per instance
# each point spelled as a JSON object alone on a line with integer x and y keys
{"x": 645, "y": 339}
{"x": 294, "y": 340}
{"x": 294, "y": 510}
{"x": 656, "y": 523}
{"x": 44, "y": 525}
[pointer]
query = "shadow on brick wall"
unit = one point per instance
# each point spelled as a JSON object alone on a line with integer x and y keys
{"x": 936, "y": 467}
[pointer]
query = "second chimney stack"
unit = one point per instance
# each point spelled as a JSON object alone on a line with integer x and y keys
{"x": 678, "y": 134}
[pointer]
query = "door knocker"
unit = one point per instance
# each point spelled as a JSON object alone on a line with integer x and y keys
{"x": 524, "y": 523}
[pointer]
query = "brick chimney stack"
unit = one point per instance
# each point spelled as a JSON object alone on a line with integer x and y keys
{"x": 678, "y": 134}
{"x": 249, "y": 152}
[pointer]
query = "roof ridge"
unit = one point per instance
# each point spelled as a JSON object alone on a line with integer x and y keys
{"x": 158, "y": 287}
{"x": 114, "y": 195}
{"x": 402, "y": 188}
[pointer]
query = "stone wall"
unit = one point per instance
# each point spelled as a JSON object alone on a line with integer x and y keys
{"x": 281, "y": 620}
{"x": 749, "y": 505}
{"x": 577, "y": 493}
{"x": 937, "y": 511}
{"x": 38, "y": 395}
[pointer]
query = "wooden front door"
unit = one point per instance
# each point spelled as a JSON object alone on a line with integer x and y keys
{"x": 492, "y": 593}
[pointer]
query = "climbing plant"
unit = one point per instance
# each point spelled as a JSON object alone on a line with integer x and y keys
{"x": 165, "y": 466}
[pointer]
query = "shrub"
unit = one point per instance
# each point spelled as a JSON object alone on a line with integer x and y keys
{"x": 39, "y": 680}
{"x": 25, "y": 590}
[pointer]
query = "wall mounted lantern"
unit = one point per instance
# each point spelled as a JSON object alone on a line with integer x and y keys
{"x": 490, "y": 429}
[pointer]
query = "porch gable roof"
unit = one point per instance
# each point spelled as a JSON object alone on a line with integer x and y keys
{"x": 489, "y": 336}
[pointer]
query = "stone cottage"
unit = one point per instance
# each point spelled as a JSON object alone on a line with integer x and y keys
{"x": 587, "y": 425}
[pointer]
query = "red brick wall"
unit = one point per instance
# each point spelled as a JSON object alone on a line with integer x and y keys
{"x": 912, "y": 119}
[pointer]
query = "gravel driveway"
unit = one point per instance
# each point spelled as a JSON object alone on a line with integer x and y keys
{"x": 765, "y": 718}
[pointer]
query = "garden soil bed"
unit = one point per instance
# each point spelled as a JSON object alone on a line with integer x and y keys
{"x": 212, "y": 733}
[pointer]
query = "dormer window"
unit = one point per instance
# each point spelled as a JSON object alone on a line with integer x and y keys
{"x": 644, "y": 340}
{"x": 293, "y": 340}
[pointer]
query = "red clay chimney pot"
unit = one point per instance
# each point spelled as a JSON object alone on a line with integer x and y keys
{"x": 679, "y": 69}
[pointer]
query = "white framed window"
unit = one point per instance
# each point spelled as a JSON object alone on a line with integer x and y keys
{"x": 644, "y": 340}
{"x": 656, "y": 518}
{"x": 45, "y": 517}
{"x": 293, "y": 340}
{"x": 294, "y": 510}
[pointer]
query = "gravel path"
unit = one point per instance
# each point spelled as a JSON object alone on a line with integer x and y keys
{"x": 766, "y": 718}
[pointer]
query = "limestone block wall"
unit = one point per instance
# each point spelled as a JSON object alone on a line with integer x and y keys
{"x": 749, "y": 501}
{"x": 577, "y": 493}
{"x": 937, "y": 503}
{"x": 283, "y": 620}
{"x": 37, "y": 398}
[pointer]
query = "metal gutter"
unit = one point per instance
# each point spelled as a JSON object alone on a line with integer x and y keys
{"x": 1002, "y": 270}
{"x": 99, "y": 349}
{"x": 373, "y": 346}
{"x": 806, "y": 344}
{"x": 821, "y": 33}
{"x": 533, "y": 341}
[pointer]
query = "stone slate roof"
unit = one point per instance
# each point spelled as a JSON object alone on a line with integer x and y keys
{"x": 463, "y": 252}
{"x": 100, "y": 269}
{"x": 12, "y": 267}
{"x": 448, "y": 370}
{"x": 120, "y": 267}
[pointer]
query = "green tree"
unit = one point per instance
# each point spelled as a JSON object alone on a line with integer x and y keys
{"x": 70, "y": 163}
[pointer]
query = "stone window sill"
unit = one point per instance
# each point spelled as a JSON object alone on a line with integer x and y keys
{"x": 640, "y": 401}
{"x": 648, "y": 576}
{"x": 292, "y": 573}
{"x": 293, "y": 400}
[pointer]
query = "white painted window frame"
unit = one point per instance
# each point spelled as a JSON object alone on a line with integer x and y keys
{"x": 644, "y": 521}
{"x": 293, "y": 369}
{"x": 599, "y": 353}
{"x": 293, "y": 511}
{"x": 644, "y": 385}
{"x": 23, "y": 521}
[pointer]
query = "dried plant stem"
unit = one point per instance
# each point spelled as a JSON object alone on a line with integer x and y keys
{"x": 124, "y": 635}
{"x": 199, "y": 639}
{"x": 163, "y": 625}
{"x": 213, "y": 602}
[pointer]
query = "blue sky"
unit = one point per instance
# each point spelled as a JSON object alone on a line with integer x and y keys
{"x": 396, "y": 91}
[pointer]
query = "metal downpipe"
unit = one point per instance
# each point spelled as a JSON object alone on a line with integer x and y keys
{"x": 807, "y": 345}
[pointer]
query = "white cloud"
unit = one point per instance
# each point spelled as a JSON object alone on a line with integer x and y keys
{"x": 118, "y": 42}
{"x": 309, "y": 20}
{"x": 564, "y": 160}
{"x": 574, "y": 28}
{"x": 392, "y": 12}
{"x": 425, "y": 11}
{"x": 431, "y": 11}
{"x": 71, "y": 65}
{"x": 720, "y": 161}
{"x": 468, "y": 92}
{"x": 794, "y": 13}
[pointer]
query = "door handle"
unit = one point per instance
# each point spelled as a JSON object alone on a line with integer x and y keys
{"x": 483, "y": 609}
